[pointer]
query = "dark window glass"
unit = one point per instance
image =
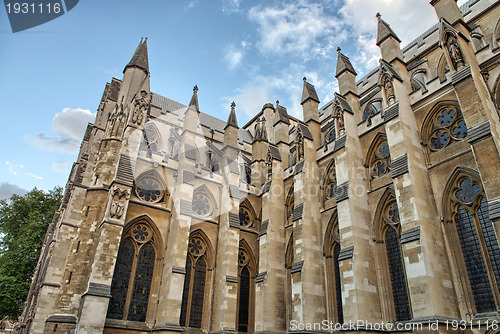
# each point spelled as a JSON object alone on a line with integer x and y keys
{"x": 142, "y": 284}
{"x": 121, "y": 278}
{"x": 490, "y": 238}
{"x": 398, "y": 279}
{"x": 474, "y": 261}
{"x": 195, "y": 316}
{"x": 338, "y": 287}
{"x": 244, "y": 299}
{"x": 185, "y": 293}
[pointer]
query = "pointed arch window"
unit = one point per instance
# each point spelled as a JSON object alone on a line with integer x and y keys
{"x": 150, "y": 141}
{"x": 290, "y": 205}
{"x": 330, "y": 182}
{"x": 371, "y": 110}
{"x": 443, "y": 126}
{"x": 193, "y": 295}
{"x": 245, "y": 270}
{"x": 332, "y": 252}
{"x": 131, "y": 284}
{"x": 380, "y": 158}
{"x": 202, "y": 203}
{"x": 389, "y": 255}
{"x": 330, "y": 136}
{"x": 478, "y": 241}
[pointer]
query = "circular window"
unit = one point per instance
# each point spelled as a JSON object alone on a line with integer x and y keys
{"x": 196, "y": 247}
{"x": 201, "y": 204}
{"x": 149, "y": 190}
{"x": 141, "y": 233}
{"x": 245, "y": 219}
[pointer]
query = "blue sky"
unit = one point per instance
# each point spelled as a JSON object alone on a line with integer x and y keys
{"x": 250, "y": 51}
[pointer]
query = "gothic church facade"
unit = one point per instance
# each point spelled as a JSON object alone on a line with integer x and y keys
{"x": 381, "y": 205}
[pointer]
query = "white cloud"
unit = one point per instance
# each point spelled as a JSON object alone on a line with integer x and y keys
{"x": 34, "y": 176}
{"x": 13, "y": 168}
{"x": 231, "y": 6}
{"x": 249, "y": 101}
{"x": 233, "y": 56}
{"x": 303, "y": 29}
{"x": 191, "y": 4}
{"x": 62, "y": 167}
{"x": 8, "y": 189}
{"x": 71, "y": 125}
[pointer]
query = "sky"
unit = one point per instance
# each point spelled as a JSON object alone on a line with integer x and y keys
{"x": 249, "y": 51}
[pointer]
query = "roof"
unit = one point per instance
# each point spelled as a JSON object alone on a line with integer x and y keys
{"x": 231, "y": 121}
{"x": 282, "y": 115}
{"x": 308, "y": 93}
{"x": 170, "y": 106}
{"x": 343, "y": 65}
{"x": 384, "y": 31}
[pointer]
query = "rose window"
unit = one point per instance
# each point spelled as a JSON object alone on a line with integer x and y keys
{"x": 448, "y": 126}
{"x": 141, "y": 233}
{"x": 245, "y": 219}
{"x": 196, "y": 247}
{"x": 149, "y": 190}
{"x": 201, "y": 204}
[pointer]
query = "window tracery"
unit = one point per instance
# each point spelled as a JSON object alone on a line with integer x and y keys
{"x": 444, "y": 126}
{"x": 380, "y": 163}
{"x": 150, "y": 141}
{"x": 477, "y": 238}
{"x": 132, "y": 278}
{"x": 195, "y": 280}
{"x": 201, "y": 204}
{"x": 245, "y": 268}
{"x": 331, "y": 250}
{"x": 245, "y": 217}
{"x": 290, "y": 204}
{"x": 330, "y": 183}
{"x": 330, "y": 136}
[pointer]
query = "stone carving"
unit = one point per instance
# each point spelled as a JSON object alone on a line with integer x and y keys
{"x": 118, "y": 202}
{"x": 454, "y": 52}
{"x": 141, "y": 105}
{"x": 389, "y": 91}
{"x": 339, "y": 116}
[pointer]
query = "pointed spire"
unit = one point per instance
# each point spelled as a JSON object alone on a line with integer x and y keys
{"x": 308, "y": 92}
{"x": 140, "y": 57}
{"x": 384, "y": 31}
{"x": 194, "y": 98}
{"x": 343, "y": 64}
{"x": 231, "y": 121}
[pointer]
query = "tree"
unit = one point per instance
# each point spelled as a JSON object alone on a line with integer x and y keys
{"x": 23, "y": 224}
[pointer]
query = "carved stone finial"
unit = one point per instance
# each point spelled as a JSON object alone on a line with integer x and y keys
{"x": 339, "y": 49}
{"x": 145, "y": 39}
{"x": 277, "y": 103}
{"x": 141, "y": 39}
{"x": 304, "y": 78}
{"x": 233, "y": 105}
{"x": 378, "y": 16}
{"x": 195, "y": 89}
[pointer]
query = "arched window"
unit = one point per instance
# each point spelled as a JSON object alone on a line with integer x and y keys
{"x": 331, "y": 251}
{"x": 246, "y": 266}
{"x": 203, "y": 202}
{"x": 442, "y": 68}
{"x": 330, "y": 182}
{"x": 466, "y": 206}
{"x": 372, "y": 109}
{"x": 330, "y": 136}
{"x": 195, "y": 281}
{"x": 150, "y": 187}
{"x": 379, "y": 157}
{"x": 247, "y": 214}
{"x": 151, "y": 140}
{"x": 131, "y": 284}
{"x": 497, "y": 93}
{"x": 269, "y": 167}
{"x": 289, "y": 260}
{"x": 393, "y": 284}
{"x": 443, "y": 126}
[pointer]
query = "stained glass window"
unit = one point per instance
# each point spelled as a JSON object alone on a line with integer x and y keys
{"x": 130, "y": 293}
{"x": 243, "y": 300}
{"x": 397, "y": 273}
{"x": 447, "y": 126}
{"x": 470, "y": 233}
{"x": 121, "y": 278}
{"x": 193, "y": 295}
{"x": 330, "y": 183}
{"x": 338, "y": 286}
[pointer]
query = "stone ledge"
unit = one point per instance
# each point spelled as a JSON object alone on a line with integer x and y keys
{"x": 479, "y": 132}
{"x": 342, "y": 192}
{"x": 460, "y": 75}
{"x": 346, "y": 253}
{"x": 298, "y": 210}
{"x": 297, "y": 267}
{"x": 494, "y": 208}
{"x": 339, "y": 143}
{"x": 62, "y": 319}
{"x": 391, "y": 112}
{"x": 399, "y": 166}
{"x": 410, "y": 235}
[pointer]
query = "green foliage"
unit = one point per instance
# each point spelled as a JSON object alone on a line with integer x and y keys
{"x": 23, "y": 224}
